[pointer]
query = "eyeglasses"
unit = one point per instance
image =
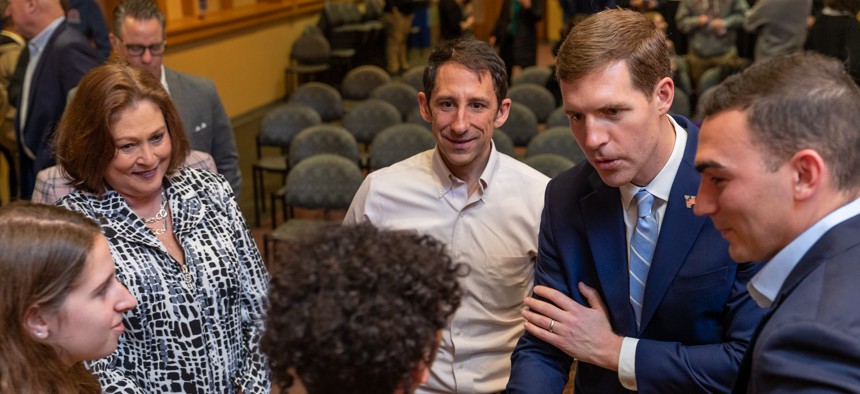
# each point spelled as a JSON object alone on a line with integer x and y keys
{"x": 137, "y": 50}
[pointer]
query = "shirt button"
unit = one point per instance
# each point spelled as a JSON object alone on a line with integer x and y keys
{"x": 462, "y": 214}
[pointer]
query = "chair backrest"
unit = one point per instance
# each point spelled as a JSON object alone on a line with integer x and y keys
{"x": 549, "y": 164}
{"x": 415, "y": 77}
{"x": 360, "y": 81}
{"x": 536, "y": 97}
{"x": 322, "y": 98}
{"x": 324, "y": 138}
{"x": 710, "y": 78}
{"x": 373, "y": 9}
{"x": 557, "y": 118}
{"x": 324, "y": 181}
{"x": 415, "y": 117}
{"x": 283, "y": 122}
{"x": 503, "y": 142}
{"x": 703, "y": 97}
{"x": 681, "y": 103}
{"x": 368, "y": 118}
{"x": 556, "y": 140}
{"x": 538, "y": 75}
{"x": 399, "y": 142}
{"x": 399, "y": 94}
{"x": 311, "y": 48}
{"x": 522, "y": 124}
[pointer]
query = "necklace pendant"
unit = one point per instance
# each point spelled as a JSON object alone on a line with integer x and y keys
{"x": 187, "y": 275}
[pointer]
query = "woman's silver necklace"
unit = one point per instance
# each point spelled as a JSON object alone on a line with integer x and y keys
{"x": 161, "y": 215}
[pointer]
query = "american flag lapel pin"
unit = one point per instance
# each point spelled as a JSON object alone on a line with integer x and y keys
{"x": 689, "y": 200}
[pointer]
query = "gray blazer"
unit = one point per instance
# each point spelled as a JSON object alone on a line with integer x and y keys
{"x": 206, "y": 123}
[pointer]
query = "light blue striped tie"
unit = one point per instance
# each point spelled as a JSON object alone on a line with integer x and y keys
{"x": 642, "y": 245}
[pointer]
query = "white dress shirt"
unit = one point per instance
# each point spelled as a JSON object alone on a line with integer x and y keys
{"x": 660, "y": 187}
{"x": 35, "y": 47}
{"x": 766, "y": 284}
{"x": 494, "y": 231}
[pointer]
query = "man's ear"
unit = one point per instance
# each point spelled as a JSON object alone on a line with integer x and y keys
{"x": 36, "y": 323}
{"x": 502, "y": 113}
{"x": 811, "y": 173}
{"x": 424, "y": 107}
{"x": 114, "y": 41}
{"x": 664, "y": 93}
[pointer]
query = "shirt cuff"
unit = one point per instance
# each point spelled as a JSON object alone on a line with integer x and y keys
{"x": 627, "y": 363}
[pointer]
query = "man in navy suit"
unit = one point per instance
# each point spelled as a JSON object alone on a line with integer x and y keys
{"x": 683, "y": 325}
{"x": 778, "y": 156}
{"x": 55, "y": 60}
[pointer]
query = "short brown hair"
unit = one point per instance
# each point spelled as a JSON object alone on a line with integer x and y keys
{"x": 802, "y": 101}
{"x": 473, "y": 54}
{"x": 85, "y": 146}
{"x": 615, "y": 35}
{"x": 142, "y": 10}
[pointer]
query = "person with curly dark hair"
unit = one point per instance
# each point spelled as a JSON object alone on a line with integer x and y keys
{"x": 360, "y": 310}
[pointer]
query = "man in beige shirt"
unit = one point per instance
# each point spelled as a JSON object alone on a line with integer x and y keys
{"x": 483, "y": 204}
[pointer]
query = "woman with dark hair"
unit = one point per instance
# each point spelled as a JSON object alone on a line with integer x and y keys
{"x": 359, "y": 310}
{"x": 180, "y": 243}
{"x": 61, "y": 303}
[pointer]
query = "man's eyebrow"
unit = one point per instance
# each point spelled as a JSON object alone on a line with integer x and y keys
{"x": 704, "y": 165}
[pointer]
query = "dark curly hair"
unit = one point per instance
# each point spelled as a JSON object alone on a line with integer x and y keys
{"x": 357, "y": 309}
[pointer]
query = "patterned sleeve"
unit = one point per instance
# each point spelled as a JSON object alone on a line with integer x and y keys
{"x": 112, "y": 380}
{"x": 254, "y": 374}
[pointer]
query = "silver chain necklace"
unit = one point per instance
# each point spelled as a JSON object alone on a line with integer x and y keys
{"x": 160, "y": 216}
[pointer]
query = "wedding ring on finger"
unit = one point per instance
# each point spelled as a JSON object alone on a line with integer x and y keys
{"x": 551, "y": 325}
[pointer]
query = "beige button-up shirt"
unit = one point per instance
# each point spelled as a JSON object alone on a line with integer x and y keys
{"x": 494, "y": 231}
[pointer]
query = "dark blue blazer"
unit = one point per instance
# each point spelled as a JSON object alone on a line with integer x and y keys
{"x": 811, "y": 341}
{"x": 67, "y": 56}
{"x": 697, "y": 316}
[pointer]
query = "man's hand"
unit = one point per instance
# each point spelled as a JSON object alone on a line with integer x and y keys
{"x": 718, "y": 25}
{"x": 582, "y": 332}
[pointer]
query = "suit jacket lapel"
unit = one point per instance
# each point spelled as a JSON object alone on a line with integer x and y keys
{"x": 603, "y": 218}
{"x": 49, "y": 47}
{"x": 678, "y": 233}
{"x": 679, "y": 230}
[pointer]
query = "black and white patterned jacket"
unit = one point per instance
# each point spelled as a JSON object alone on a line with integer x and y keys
{"x": 199, "y": 335}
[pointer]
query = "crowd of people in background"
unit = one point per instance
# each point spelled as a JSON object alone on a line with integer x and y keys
{"x": 674, "y": 258}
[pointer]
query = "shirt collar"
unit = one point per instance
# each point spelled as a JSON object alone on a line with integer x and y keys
{"x": 444, "y": 180}
{"x": 832, "y": 12}
{"x": 661, "y": 185}
{"x": 766, "y": 284}
{"x": 164, "y": 80}
{"x": 14, "y": 36}
{"x": 40, "y": 40}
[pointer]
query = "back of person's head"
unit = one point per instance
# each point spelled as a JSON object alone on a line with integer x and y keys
{"x": 44, "y": 253}
{"x": 355, "y": 309}
{"x": 802, "y": 101}
{"x": 136, "y": 9}
{"x": 85, "y": 145}
{"x": 611, "y": 36}
{"x": 473, "y": 54}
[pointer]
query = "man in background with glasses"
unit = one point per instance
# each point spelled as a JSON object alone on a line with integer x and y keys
{"x": 139, "y": 38}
